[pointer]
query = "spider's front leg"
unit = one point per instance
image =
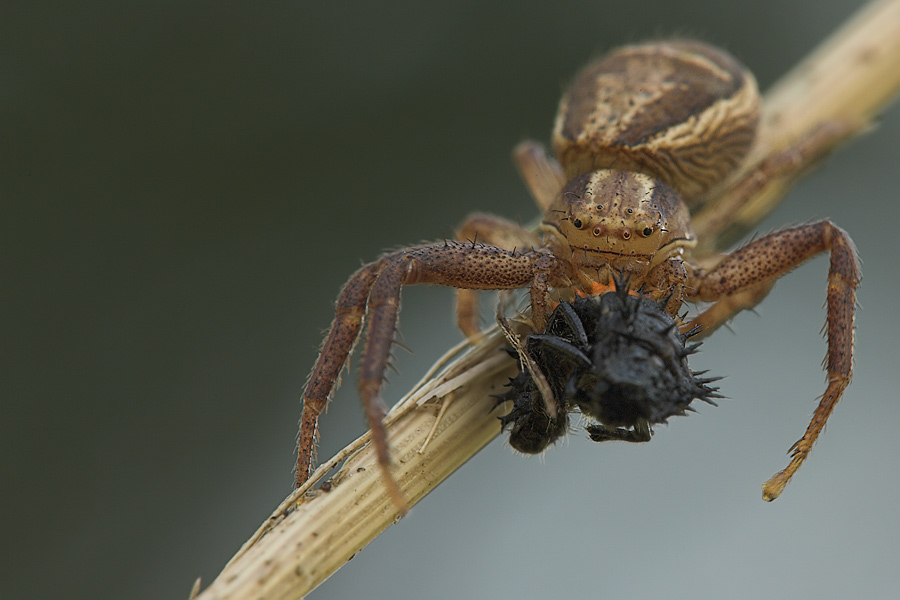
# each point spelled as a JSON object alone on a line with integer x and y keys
{"x": 349, "y": 311}
{"x": 494, "y": 231}
{"x": 373, "y": 293}
{"x": 544, "y": 178}
{"x": 750, "y": 271}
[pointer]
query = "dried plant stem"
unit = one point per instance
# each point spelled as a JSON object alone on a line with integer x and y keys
{"x": 313, "y": 532}
{"x": 847, "y": 80}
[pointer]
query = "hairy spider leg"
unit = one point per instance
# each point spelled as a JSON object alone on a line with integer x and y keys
{"x": 731, "y": 216}
{"x": 545, "y": 179}
{"x": 373, "y": 293}
{"x": 727, "y": 307}
{"x": 349, "y": 313}
{"x": 494, "y": 231}
{"x": 764, "y": 260}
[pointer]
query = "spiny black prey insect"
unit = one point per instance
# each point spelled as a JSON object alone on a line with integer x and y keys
{"x": 617, "y": 358}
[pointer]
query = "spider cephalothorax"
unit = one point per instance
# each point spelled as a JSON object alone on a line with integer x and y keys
{"x": 619, "y": 359}
{"x": 642, "y": 138}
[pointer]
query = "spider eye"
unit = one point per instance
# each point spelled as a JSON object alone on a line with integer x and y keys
{"x": 630, "y": 211}
{"x": 577, "y": 223}
{"x": 647, "y": 232}
{"x": 626, "y": 235}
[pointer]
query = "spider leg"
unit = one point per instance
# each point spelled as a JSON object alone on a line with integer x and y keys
{"x": 383, "y": 307}
{"x": 374, "y": 293}
{"x": 727, "y": 307}
{"x": 348, "y": 317}
{"x": 495, "y": 231}
{"x": 751, "y": 270}
{"x": 746, "y": 200}
{"x": 542, "y": 174}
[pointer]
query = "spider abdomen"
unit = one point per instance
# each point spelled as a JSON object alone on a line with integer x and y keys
{"x": 681, "y": 111}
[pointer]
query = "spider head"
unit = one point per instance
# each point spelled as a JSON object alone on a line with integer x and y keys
{"x": 605, "y": 214}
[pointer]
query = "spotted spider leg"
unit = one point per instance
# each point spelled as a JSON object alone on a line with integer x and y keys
{"x": 373, "y": 295}
{"x": 494, "y": 231}
{"x": 544, "y": 178}
{"x": 750, "y": 270}
{"x": 734, "y": 210}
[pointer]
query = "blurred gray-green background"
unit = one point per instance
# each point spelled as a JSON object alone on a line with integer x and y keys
{"x": 186, "y": 185}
